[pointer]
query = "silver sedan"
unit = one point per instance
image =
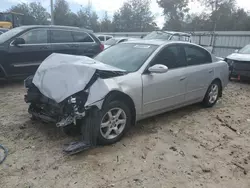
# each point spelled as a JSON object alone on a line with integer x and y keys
{"x": 161, "y": 76}
{"x": 124, "y": 84}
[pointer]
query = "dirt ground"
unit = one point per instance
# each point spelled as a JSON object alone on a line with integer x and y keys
{"x": 191, "y": 147}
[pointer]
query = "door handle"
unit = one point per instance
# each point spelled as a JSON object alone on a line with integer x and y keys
{"x": 183, "y": 78}
{"x": 211, "y": 71}
{"x": 44, "y": 48}
{"x": 74, "y": 45}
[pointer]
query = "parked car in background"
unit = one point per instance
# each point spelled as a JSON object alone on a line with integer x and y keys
{"x": 168, "y": 35}
{"x": 3, "y": 30}
{"x": 22, "y": 49}
{"x": 116, "y": 40}
{"x": 239, "y": 63}
{"x": 129, "y": 82}
{"x": 104, "y": 38}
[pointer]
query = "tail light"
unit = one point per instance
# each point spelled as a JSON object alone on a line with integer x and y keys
{"x": 102, "y": 46}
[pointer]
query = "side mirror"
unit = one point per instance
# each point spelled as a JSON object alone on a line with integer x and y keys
{"x": 236, "y": 51}
{"x": 18, "y": 41}
{"x": 158, "y": 68}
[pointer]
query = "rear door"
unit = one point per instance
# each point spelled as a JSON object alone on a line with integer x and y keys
{"x": 25, "y": 59}
{"x": 200, "y": 72}
{"x": 62, "y": 41}
{"x": 85, "y": 44}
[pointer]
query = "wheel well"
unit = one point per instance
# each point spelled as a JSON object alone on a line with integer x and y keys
{"x": 119, "y": 96}
{"x": 219, "y": 81}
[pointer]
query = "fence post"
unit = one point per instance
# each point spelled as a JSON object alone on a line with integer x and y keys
{"x": 214, "y": 42}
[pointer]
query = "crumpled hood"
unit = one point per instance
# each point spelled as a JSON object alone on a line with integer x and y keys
{"x": 60, "y": 75}
{"x": 239, "y": 57}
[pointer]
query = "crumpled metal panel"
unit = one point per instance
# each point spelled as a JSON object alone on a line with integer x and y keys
{"x": 60, "y": 76}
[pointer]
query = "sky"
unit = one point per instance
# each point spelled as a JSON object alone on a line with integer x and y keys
{"x": 100, "y": 6}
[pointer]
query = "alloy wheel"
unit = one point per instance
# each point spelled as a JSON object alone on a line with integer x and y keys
{"x": 113, "y": 123}
{"x": 213, "y": 94}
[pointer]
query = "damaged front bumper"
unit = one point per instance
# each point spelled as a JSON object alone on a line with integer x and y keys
{"x": 47, "y": 110}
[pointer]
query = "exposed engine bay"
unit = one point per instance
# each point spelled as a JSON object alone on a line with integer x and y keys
{"x": 67, "y": 111}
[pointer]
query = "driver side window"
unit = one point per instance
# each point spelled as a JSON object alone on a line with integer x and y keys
{"x": 37, "y": 36}
{"x": 170, "y": 56}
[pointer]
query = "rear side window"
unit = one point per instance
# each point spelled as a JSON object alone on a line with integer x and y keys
{"x": 101, "y": 38}
{"x": 197, "y": 56}
{"x": 60, "y": 36}
{"x": 37, "y": 36}
{"x": 81, "y": 37}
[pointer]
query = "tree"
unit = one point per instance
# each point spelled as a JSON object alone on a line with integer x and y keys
{"x": 126, "y": 17}
{"x": 174, "y": 11}
{"x": 220, "y": 10}
{"x": 117, "y": 22}
{"x": 134, "y": 15}
{"x": 240, "y": 20}
{"x": 23, "y": 8}
{"x": 62, "y": 13}
{"x": 39, "y": 13}
{"x": 94, "y": 22}
{"x": 106, "y": 24}
{"x": 88, "y": 18}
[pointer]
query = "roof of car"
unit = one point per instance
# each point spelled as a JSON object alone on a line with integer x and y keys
{"x": 159, "y": 42}
{"x": 176, "y": 33}
{"x": 120, "y": 38}
{"x": 54, "y": 26}
{"x": 104, "y": 35}
{"x": 150, "y": 42}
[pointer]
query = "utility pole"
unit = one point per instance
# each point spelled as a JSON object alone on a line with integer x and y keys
{"x": 52, "y": 12}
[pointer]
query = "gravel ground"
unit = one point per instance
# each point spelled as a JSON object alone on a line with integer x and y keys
{"x": 190, "y": 147}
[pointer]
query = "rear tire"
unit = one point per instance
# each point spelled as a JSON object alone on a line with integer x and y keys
{"x": 212, "y": 94}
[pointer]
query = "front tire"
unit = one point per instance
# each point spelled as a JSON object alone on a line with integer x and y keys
{"x": 212, "y": 94}
{"x": 115, "y": 120}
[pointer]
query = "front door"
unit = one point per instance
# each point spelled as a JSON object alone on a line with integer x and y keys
{"x": 24, "y": 59}
{"x": 165, "y": 90}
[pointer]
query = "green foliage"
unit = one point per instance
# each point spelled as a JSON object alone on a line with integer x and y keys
{"x": 223, "y": 16}
{"x": 174, "y": 11}
{"x": 135, "y": 16}
{"x": 34, "y": 13}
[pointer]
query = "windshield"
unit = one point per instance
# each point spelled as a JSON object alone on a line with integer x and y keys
{"x": 111, "y": 41}
{"x": 158, "y": 35}
{"x": 129, "y": 57}
{"x": 9, "y": 34}
{"x": 245, "y": 50}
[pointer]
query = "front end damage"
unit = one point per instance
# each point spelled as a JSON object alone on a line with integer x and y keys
{"x": 68, "y": 97}
{"x": 47, "y": 110}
